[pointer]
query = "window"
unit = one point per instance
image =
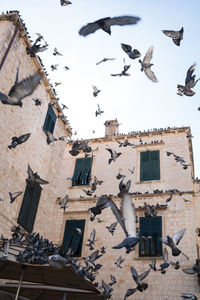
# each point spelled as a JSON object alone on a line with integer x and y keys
{"x": 73, "y": 238}
{"x": 151, "y": 230}
{"x": 150, "y": 165}
{"x": 82, "y": 171}
{"x": 50, "y": 120}
{"x": 29, "y": 206}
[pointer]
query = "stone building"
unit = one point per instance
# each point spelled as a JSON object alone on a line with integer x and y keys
{"x": 155, "y": 177}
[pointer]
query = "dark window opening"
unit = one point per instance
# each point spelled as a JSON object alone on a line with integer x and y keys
{"x": 73, "y": 236}
{"x": 82, "y": 171}
{"x": 150, "y": 233}
{"x": 29, "y": 206}
{"x": 150, "y": 165}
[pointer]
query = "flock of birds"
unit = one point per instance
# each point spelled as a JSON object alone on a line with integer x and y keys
{"x": 41, "y": 251}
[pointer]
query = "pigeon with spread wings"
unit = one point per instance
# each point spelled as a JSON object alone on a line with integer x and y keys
{"x": 146, "y": 65}
{"x": 190, "y": 82}
{"x": 19, "y": 140}
{"x": 128, "y": 219}
{"x": 106, "y": 23}
{"x": 132, "y": 53}
{"x": 21, "y": 89}
{"x": 176, "y": 36}
{"x": 173, "y": 241}
{"x": 114, "y": 154}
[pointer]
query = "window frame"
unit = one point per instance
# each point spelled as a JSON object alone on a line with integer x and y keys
{"x": 151, "y": 252}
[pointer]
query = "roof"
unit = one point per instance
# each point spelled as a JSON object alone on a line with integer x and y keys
{"x": 51, "y": 283}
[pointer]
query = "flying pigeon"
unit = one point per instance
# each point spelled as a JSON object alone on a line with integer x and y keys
{"x": 119, "y": 262}
{"x": 37, "y": 101}
{"x": 91, "y": 239}
{"x": 63, "y": 202}
{"x": 55, "y": 52}
{"x": 34, "y": 177}
{"x": 120, "y": 176}
{"x": 54, "y": 67}
{"x": 113, "y": 280}
{"x": 13, "y": 196}
{"x": 21, "y": 89}
{"x": 146, "y": 65}
{"x": 176, "y": 36}
{"x": 114, "y": 155}
{"x": 186, "y": 296}
{"x": 99, "y": 111}
{"x": 107, "y": 290}
{"x": 65, "y": 2}
{"x": 50, "y": 138}
{"x": 19, "y": 140}
{"x": 112, "y": 227}
{"x": 104, "y": 60}
{"x": 173, "y": 241}
{"x": 128, "y": 219}
{"x": 132, "y": 53}
{"x": 138, "y": 279}
{"x": 124, "y": 72}
{"x": 106, "y": 23}
{"x": 190, "y": 82}
{"x": 96, "y": 91}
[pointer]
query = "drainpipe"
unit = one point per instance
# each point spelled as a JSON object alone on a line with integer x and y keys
{"x": 9, "y": 46}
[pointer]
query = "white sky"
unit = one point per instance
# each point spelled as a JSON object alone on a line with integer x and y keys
{"x": 135, "y": 101}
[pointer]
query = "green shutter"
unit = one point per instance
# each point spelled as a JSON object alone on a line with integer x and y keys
{"x": 77, "y": 240}
{"x": 82, "y": 171}
{"x": 50, "y": 120}
{"x": 72, "y": 239}
{"x": 150, "y": 165}
{"x": 69, "y": 231}
{"x": 29, "y": 206}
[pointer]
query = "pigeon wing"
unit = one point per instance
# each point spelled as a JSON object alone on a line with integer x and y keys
{"x": 189, "y": 73}
{"x": 134, "y": 274}
{"x": 176, "y": 237}
{"x": 30, "y": 173}
{"x": 148, "y": 55}
{"x": 129, "y": 215}
{"x": 164, "y": 239}
{"x": 126, "y": 48}
{"x": 144, "y": 274}
{"x": 23, "y": 138}
{"x": 25, "y": 87}
{"x": 171, "y": 33}
{"x": 117, "y": 214}
{"x": 124, "y": 20}
{"x": 189, "y": 271}
{"x": 89, "y": 28}
{"x": 150, "y": 74}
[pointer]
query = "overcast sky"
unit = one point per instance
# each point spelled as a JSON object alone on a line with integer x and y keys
{"x": 135, "y": 101}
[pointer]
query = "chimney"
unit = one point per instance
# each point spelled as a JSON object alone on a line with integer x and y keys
{"x": 111, "y": 127}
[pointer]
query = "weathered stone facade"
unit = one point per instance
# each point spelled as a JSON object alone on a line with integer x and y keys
{"x": 55, "y": 164}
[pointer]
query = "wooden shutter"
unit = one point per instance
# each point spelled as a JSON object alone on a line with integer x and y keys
{"x": 85, "y": 173}
{"x": 82, "y": 171}
{"x": 72, "y": 239}
{"x": 77, "y": 171}
{"x": 150, "y": 165}
{"x": 50, "y": 120}
{"x": 29, "y": 206}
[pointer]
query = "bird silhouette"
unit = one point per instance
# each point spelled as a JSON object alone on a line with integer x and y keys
{"x": 21, "y": 89}
{"x": 106, "y": 23}
{"x": 176, "y": 36}
{"x": 132, "y": 53}
{"x": 146, "y": 65}
{"x": 19, "y": 140}
{"x": 190, "y": 82}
